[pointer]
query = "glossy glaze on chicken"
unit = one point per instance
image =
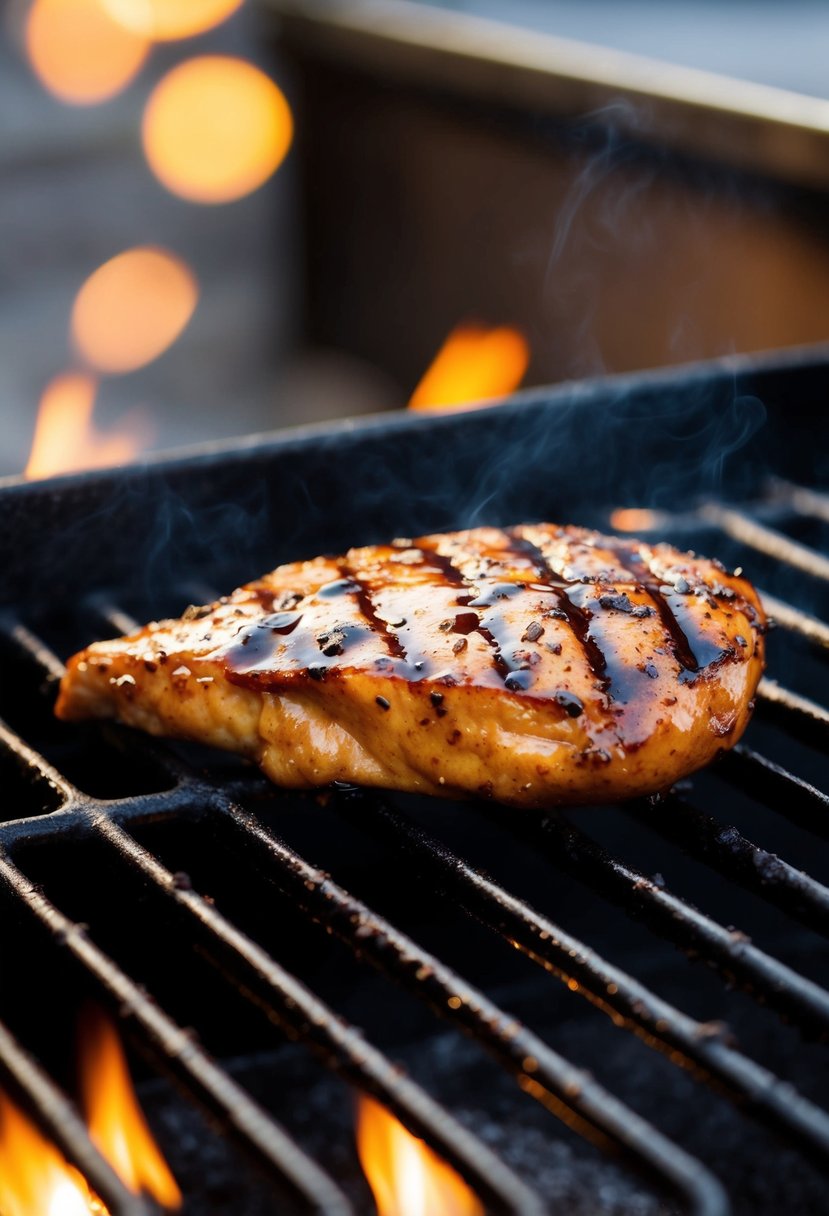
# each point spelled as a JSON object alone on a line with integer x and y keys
{"x": 537, "y": 665}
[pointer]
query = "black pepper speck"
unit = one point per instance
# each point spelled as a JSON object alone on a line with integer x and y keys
{"x": 569, "y": 702}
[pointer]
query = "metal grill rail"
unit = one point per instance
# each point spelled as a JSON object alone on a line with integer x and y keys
{"x": 567, "y": 1091}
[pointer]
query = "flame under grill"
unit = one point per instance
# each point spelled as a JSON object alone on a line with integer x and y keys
{"x": 160, "y": 786}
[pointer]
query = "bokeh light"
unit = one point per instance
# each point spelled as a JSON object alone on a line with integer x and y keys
{"x": 79, "y": 53}
{"x": 132, "y": 308}
{"x": 165, "y": 20}
{"x": 215, "y": 128}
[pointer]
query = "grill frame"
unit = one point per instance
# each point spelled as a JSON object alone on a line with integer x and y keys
{"x": 398, "y": 453}
{"x": 286, "y": 489}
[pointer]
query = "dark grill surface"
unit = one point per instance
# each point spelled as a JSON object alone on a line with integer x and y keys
{"x": 187, "y": 894}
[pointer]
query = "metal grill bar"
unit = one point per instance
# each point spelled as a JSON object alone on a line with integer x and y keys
{"x": 31, "y": 645}
{"x": 802, "y": 499}
{"x": 38, "y": 768}
{"x": 777, "y": 788}
{"x": 728, "y": 951}
{"x": 807, "y": 720}
{"x": 731, "y": 854}
{"x": 176, "y": 1049}
{"x": 54, "y": 1112}
{"x": 617, "y": 994}
{"x": 112, "y": 616}
{"x": 749, "y": 532}
{"x": 791, "y": 618}
{"x": 568, "y": 1091}
{"x": 340, "y": 1045}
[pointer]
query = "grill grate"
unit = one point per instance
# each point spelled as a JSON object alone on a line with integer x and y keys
{"x": 563, "y": 1088}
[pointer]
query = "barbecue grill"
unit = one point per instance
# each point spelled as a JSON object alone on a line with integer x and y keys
{"x": 221, "y": 918}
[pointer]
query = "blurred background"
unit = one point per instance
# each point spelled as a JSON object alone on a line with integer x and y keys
{"x": 227, "y": 216}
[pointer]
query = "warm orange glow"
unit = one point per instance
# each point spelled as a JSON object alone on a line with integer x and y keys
{"x": 34, "y": 1175}
{"x": 79, "y": 53}
{"x": 633, "y": 519}
{"x": 215, "y": 129}
{"x": 132, "y": 308}
{"x": 164, "y": 20}
{"x": 65, "y": 438}
{"x": 114, "y": 1117}
{"x": 36, "y": 1179}
{"x": 405, "y": 1176}
{"x": 473, "y": 365}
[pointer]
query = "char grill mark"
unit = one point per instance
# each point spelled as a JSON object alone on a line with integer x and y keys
{"x": 681, "y": 647}
{"x": 457, "y": 578}
{"x": 450, "y": 572}
{"x": 521, "y": 547}
{"x": 303, "y": 639}
{"x": 577, "y": 618}
{"x": 509, "y": 671}
{"x": 377, "y": 625}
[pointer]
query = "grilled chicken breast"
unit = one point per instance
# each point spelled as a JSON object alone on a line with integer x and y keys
{"x": 535, "y": 665}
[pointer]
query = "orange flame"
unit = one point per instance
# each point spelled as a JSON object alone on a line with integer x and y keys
{"x": 215, "y": 128}
{"x": 36, "y": 1179}
{"x": 165, "y": 20}
{"x": 79, "y": 53}
{"x": 132, "y": 308}
{"x": 116, "y": 1123}
{"x": 405, "y": 1176}
{"x": 34, "y": 1175}
{"x": 65, "y": 438}
{"x": 473, "y": 365}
